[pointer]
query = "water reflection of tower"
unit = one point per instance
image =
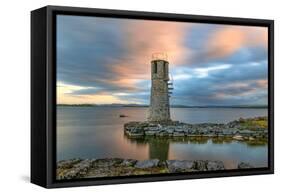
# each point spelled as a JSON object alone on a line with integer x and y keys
{"x": 159, "y": 149}
{"x": 159, "y": 109}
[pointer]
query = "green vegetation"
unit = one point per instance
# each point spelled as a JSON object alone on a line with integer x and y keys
{"x": 253, "y": 124}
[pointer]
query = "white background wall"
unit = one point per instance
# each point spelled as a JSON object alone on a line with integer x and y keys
{"x": 15, "y": 94}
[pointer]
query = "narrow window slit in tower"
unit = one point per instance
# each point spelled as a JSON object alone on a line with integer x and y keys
{"x": 155, "y": 68}
{"x": 164, "y": 69}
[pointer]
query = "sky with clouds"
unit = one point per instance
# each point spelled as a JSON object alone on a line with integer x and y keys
{"x": 107, "y": 60}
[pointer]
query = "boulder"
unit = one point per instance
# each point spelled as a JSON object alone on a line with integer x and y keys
{"x": 107, "y": 162}
{"x": 163, "y": 134}
{"x": 180, "y": 165}
{"x": 153, "y": 128}
{"x": 201, "y": 165}
{"x": 244, "y": 165}
{"x": 170, "y": 130}
{"x": 136, "y": 134}
{"x": 128, "y": 162}
{"x": 238, "y": 137}
{"x": 150, "y": 133}
{"x": 252, "y": 138}
{"x": 178, "y": 134}
{"x": 215, "y": 165}
{"x": 179, "y": 130}
{"x": 68, "y": 163}
{"x": 227, "y": 132}
{"x": 147, "y": 163}
{"x": 246, "y": 132}
{"x": 78, "y": 170}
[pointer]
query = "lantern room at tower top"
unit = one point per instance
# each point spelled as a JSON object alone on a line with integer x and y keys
{"x": 160, "y": 56}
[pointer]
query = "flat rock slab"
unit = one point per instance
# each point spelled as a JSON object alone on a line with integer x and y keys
{"x": 244, "y": 165}
{"x": 147, "y": 163}
{"x": 180, "y": 165}
{"x": 215, "y": 165}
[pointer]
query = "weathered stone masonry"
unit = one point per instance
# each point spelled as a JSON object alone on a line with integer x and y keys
{"x": 159, "y": 109}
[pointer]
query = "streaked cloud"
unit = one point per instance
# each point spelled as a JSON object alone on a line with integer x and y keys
{"x": 106, "y": 60}
{"x": 65, "y": 95}
{"x": 227, "y": 40}
{"x": 182, "y": 77}
{"x": 204, "y": 71}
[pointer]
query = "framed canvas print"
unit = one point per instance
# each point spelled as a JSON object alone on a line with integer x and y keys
{"x": 126, "y": 96}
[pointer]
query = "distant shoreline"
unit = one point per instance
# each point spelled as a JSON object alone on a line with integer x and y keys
{"x": 146, "y": 106}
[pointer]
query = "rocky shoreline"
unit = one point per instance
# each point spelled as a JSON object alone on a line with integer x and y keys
{"x": 90, "y": 168}
{"x": 242, "y": 129}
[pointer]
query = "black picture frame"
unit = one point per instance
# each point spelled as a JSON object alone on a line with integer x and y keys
{"x": 43, "y": 94}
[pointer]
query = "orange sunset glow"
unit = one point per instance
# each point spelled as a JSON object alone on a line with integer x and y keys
{"x": 100, "y": 60}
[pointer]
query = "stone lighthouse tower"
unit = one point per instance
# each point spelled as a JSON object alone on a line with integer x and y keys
{"x": 159, "y": 110}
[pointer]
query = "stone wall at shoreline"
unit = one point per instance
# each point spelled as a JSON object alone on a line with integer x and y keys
{"x": 242, "y": 129}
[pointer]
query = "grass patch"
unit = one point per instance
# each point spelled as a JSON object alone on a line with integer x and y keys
{"x": 254, "y": 124}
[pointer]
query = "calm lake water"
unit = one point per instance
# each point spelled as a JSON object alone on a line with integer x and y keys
{"x": 97, "y": 132}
